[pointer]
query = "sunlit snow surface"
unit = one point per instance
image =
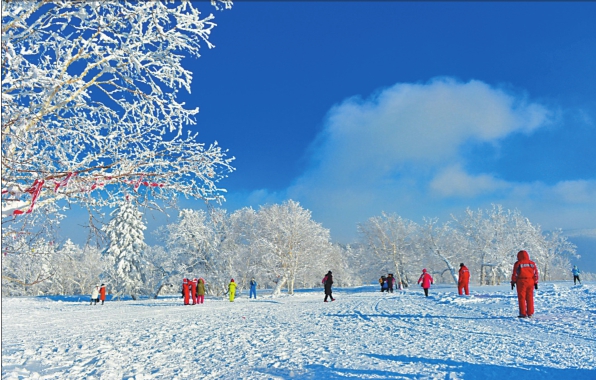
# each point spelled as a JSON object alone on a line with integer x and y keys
{"x": 364, "y": 334}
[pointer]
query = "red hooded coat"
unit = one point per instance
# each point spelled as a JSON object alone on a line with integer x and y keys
{"x": 525, "y": 277}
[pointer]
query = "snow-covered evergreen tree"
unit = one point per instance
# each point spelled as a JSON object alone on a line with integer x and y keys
{"x": 126, "y": 245}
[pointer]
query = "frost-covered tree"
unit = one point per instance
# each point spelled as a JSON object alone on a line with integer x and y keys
{"x": 90, "y": 104}
{"x": 160, "y": 266}
{"x": 126, "y": 243}
{"x": 442, "y": 243}
{"x": 489, "y": 238}
{"x": 290, "y": 239}
{"x": 75, "y": 270}
{"x": 492, "y": 238}
{"x": 26, "y": 264}
{"x": 391, "y": 239}
{"x": 203, "y": 245}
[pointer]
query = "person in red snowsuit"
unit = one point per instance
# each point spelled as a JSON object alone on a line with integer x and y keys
{"x": 525, "y": 277}
{"x": 185, "y": 292}
{"x": 464, "y": 280}
{"x": 426, "y": 280}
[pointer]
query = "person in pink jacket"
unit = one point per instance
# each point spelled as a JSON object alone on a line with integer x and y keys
{"x": 426, "y": 280}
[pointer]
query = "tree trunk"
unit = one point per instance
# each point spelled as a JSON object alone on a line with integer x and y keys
{"x": 280, "y": 283}
{"x": 291, "y": 285}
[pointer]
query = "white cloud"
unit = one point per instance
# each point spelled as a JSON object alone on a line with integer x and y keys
{"x": 418, "y": 123}
{"x": 576, "y": 192}
{"x": 400, "y": 151}
{"x": 453, "y": 181}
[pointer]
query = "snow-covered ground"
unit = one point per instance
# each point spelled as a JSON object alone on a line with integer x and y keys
{"x": 364, "y": 334}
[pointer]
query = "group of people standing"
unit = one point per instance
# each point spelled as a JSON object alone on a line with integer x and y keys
{"x": 388, "y": 283}
{"x": 193, "y": 291}
{"x": 99, "y": 293}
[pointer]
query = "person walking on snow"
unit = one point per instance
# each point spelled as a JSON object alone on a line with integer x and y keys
{"x": 525, "y": 277}
{"x": 102, "y": 293}
{"x": 95, "y": 295}
{"x": 382, "y": 283}
{"x": 201, "y": 290}
{"x": 576, "y": 273}
{"x": 426, "y": 280}
{"x": 463, "y": 280}
{"x": 253, "y": 288}
{"x": 232, "y": 290}
{"x": 328, "y": 282}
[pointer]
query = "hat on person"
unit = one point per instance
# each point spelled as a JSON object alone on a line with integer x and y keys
{"x": 232, "y": 280}
{"x": 424, "y": 270}
{"x": 461, "y": 265}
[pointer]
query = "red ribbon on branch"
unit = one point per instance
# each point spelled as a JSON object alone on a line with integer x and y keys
{"x": 34, "y": 190}
{"x": 64, "y": 181}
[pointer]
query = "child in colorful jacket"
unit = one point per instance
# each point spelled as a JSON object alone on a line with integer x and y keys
{"x": 426, "y": 280}
{"x": 232, "y": 290}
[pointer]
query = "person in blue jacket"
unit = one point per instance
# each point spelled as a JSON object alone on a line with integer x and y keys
{"x": 253, "y": 288}
{"x": 576, "y": 273}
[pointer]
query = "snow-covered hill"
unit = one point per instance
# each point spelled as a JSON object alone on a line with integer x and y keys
{"x": 364, "y": 334}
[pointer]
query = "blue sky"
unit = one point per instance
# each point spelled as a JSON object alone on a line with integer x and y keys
{"x": 420, "y": 109}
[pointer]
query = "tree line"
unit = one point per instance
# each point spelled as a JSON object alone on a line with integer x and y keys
{"x": 283, "y": 248}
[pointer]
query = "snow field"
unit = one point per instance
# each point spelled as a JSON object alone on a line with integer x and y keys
{"x": 363, "y": 334}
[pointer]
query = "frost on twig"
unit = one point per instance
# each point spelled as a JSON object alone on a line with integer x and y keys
{"x": 90, "y": 109}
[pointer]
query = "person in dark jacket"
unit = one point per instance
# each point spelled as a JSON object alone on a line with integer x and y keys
{"x": 390, "y": 282}
{"x": 328, "y": 283}
{"x": 382, "y": 282}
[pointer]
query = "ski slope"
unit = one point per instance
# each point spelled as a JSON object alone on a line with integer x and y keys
{"x": 364, "y": 334}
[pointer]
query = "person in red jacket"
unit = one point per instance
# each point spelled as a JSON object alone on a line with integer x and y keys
{"x": 464, "y": 280}
{"x": 525, "y": 277}
{"x": 102, "y": 293}
{"x": 185, "y": 291}
{"x": 426, "y": 280}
